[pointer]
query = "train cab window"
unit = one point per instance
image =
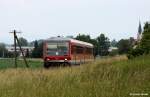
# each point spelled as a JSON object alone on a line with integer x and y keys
{"x": 63, "y": 48}
{"x": 58, "y": 48}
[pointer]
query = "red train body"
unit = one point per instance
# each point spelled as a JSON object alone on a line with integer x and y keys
{"x": 66, "y": 51}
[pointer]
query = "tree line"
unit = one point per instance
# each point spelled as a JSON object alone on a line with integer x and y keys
{"x": 36, "y": 53}
{"x": 102, "y": 45}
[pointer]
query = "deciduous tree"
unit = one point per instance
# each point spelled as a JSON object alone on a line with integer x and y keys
{"x": 103, "y": 45}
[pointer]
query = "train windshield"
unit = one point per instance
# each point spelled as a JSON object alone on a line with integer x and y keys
{"x": 58, "y": 49}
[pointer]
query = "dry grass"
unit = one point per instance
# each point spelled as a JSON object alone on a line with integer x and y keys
{"x": 110, "y": 77}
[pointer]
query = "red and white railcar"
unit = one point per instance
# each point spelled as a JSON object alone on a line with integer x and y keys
{"x": 59, "y": 50}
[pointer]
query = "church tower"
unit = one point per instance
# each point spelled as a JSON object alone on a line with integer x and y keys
{"x": 139, "y": 34}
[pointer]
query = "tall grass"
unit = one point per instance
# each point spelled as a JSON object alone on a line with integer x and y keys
{"x": 111, "y": 77}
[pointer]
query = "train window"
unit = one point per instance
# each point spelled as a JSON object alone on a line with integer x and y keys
{"x": 79, "y": 49}
{"x": 52, "y": 46}
{"x": 89, "y": 50}
{"x": 57, "y": 48}
{"x": 63, "y": 48}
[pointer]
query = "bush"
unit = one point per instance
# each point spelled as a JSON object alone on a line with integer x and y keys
{"x": 135, "y": 52}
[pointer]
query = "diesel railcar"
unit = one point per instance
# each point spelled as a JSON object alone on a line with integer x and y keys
{"x": 66, "y": 51}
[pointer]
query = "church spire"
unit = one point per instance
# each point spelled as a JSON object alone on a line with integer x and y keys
{"x": 139, "y": 34}
{"x": 140, "y": 28}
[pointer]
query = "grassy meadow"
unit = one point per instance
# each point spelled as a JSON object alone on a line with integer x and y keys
{"x": 9, "y": 63}
{"x": 110, "y": 77}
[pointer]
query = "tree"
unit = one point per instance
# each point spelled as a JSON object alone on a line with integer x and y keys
{"x": 2, "y": 50}
{"x": 87, "y": 38}
{"x": 145, "y": 41}
{"x": 124, "y": 46}
{"x": 38, "y": 50}
{"x": 35, "y": 50}
{"x": 35, "y": 44}
{"x": 103, "y": 45}
{"x": 95, "y": 50}
{"x": 113, "y": 43}
{"x": 23, "y": 41}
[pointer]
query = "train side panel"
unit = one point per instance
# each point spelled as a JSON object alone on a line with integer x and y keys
{"x": 80, "y": 54}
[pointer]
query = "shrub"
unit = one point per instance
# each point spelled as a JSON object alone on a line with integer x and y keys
{"x": 135, "y": 52}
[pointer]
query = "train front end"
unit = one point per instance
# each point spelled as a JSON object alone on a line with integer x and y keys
{"x": 56, "y": 52}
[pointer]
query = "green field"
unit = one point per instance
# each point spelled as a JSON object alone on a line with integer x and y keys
{"x": 110, "y": 77}
{"x": 9, "y": 63}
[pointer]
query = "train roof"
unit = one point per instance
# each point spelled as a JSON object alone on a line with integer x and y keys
{"x": 60, "y": 39}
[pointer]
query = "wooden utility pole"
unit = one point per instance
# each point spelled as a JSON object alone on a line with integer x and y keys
{"x": 15, "y": 53}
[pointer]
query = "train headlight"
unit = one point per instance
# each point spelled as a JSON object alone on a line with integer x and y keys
{"x": 48, "y": 59}
{"x": 65, "y": 59}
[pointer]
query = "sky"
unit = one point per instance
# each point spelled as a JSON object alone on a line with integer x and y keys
{"x": 41, "y": 19}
